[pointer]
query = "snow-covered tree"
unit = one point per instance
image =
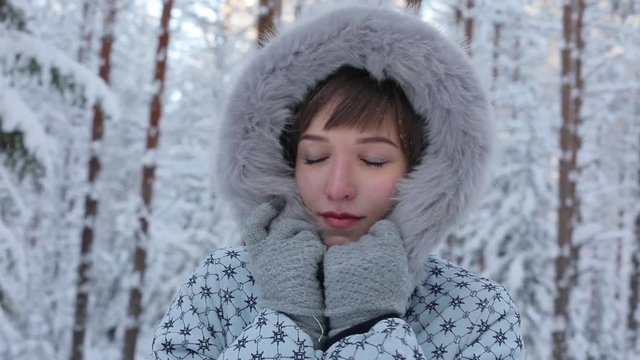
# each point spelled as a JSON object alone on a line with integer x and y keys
{"x": 42, "y": 91}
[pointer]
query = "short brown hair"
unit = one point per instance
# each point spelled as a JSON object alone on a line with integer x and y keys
{"x": 361, "y": 102}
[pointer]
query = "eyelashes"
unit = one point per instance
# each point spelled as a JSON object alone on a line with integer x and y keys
{"x": 309, "y": 161}
{"x": 376, "y": 164}
{"x": 369, "y": 163}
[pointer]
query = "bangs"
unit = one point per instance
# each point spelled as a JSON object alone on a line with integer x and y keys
{"x": 355, "y": 100}
{"x": 358, "y": 101}
{"x": 361, "y": 107}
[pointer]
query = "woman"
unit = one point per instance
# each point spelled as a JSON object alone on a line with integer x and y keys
{"x": 351, "y": 143}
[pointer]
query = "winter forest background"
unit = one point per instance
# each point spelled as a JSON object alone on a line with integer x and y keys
{"x": 108, "y": 118}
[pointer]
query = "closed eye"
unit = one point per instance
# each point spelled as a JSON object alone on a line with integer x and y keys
{"x": 376, "y": 164}
{"x": 309, "y": 161}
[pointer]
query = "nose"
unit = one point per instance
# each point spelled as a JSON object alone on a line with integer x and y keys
{"x": 340, "y": 182}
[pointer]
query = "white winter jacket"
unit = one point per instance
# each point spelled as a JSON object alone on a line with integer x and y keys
{"x": 452, "y": 314}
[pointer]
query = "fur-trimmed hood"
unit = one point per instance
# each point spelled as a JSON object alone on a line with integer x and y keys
{"x": 437, "y": 78}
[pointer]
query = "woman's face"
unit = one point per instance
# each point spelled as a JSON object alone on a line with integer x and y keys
{"x": 347, "y": 177}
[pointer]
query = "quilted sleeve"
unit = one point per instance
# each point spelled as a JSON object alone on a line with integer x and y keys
{"x": 215, "y": 316}
{"x": 191, "y": 328}
{"x": 458, "y": 315}
{"x": 272, "y": 335}
{"x": 388, "y": 339}
{"x": 496, "y": 333}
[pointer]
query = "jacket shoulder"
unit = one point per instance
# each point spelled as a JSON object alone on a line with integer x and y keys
{"x": 221, "y": 267}
{"x": 228, "y": 272}
{"x": 234, "y": 256}
{"x": 464, "y": 290}
{"x": 455, "y": 306}
{"x": 438, "y": 270}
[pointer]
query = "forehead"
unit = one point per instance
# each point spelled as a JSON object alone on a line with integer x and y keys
{"x": 384, "y": 126}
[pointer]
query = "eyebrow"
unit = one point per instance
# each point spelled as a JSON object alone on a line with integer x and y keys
{"x": 365, "y": 140}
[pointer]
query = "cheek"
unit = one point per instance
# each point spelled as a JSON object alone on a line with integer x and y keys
{"x": 381, "y": 195}
{"x": 307, "y": 186}
{"x": 391, "y": 190}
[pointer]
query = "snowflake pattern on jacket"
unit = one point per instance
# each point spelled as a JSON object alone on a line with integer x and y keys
{"x": 453, "y": 314}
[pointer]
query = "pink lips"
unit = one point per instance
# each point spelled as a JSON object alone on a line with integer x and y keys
{"x": 340, "y": 220}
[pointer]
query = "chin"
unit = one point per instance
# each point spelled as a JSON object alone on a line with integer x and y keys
{"x": 331, "y": 240}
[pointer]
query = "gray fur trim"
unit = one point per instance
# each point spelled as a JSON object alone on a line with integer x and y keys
{"x": 436, "y": 76}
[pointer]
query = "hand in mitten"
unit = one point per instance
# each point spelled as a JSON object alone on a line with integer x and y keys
{"x": 366, "y": 279}
{"x": 285, "y": 264}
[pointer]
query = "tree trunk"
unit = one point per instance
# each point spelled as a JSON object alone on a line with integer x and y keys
{"x": 454, "y": 243}
{"x": 517, "y": 53}
{"x": 634, "y": 286}
{"x": 495, "y": 72}
{"x": 414, "y": 5}
{"x": 134, "y": 309}
{"x": 463, "y": 17}
{"x": 268, "y": 13}
{"x": 297, "y": 10}
{"x": 91, "y": 198}
{"x": 86, "y": 32}
{"x": 571, "y": 103}
{"x": 621, "y": 257}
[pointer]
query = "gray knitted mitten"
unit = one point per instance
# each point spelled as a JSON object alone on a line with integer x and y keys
{"x": 366, "y": 279}
{"x": 286, "y": 263}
